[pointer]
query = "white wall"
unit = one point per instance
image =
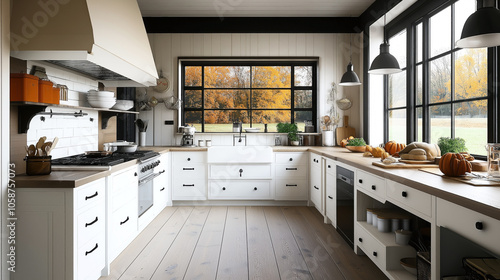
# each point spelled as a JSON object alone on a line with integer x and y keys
{"x": 332, "y": 50}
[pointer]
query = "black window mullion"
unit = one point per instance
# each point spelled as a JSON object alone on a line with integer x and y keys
{"x": 452, "y": 86}
{"x": 426, "y": 128}
{"x": 410, "y": 84}
{"x": 292, "y": 88}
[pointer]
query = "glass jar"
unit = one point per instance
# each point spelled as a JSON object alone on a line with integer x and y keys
{"x": 493, "y": 155}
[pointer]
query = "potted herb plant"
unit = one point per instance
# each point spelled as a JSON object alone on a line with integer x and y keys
{"x": 451, "y": 145}
{"x": 291, "y": 130}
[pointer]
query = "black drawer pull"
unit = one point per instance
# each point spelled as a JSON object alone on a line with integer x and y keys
{"x": 92, "y": 196}
{"x": 126, "y": 220}
{"x": 374, "y": 254}
{"x": 291, "y": 159}
{"x": 295, "y": 168}
{"x": 161, "y": 172}
{"x": 360, "y": 181}
{"x": 89, "y": 252}
{"x": 223, "y": 188}
{"x": 316, "y": 187}
{"x": 374, "y": 187}
{"x": 329, "y": 166}
{"x": 162, "y": 189}
{"x": 255, "y": 188}
{"x": 360, "y": 239}
{"x": 188, "y": 168}
{"x": 188, "y": 159}
{"x": 404, "y": 194}
{"x": 135, "y": 173}
{"x": 330, "y": 197}
{"x": 291, "y": 185}
{"x": 241, "y": 171}
{"x": 479, "y": 226}
{"x": 91, "y": 223}
{"x": 188, "y": 185}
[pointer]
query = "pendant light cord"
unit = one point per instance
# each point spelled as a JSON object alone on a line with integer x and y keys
{"x": 385, "y": 37}
{"x": 350, "y": 47}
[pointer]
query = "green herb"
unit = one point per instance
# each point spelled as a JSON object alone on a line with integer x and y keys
{"x": 290, "y": 128}
{"x": 356, "y": 142}
{"x": 451, "y": 145}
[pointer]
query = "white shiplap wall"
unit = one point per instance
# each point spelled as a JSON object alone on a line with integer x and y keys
{"x": 331, "y": 49}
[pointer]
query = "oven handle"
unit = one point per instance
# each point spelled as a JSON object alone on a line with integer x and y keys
{"x": 150, "y": 177}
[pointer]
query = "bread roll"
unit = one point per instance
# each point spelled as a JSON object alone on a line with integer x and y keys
{"x": 432, "y": 150}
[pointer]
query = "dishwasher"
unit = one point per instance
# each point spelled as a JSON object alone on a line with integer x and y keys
{"x": 345, "y": 204}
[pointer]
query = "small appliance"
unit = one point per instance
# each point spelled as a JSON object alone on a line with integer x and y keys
{"x": 187, "y": 136}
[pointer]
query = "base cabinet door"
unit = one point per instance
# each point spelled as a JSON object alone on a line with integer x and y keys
{"x": 316, "y": 186}
{"x": 331, "y": 191}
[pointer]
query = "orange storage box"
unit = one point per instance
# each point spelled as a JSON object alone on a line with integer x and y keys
{"x": 23, "y": 87}
{"x": 55, "y": 95}
{"x": 45, "y": 92}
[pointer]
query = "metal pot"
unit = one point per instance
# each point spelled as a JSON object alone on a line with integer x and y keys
{"x": 121, "y": 147}
{"x": 190, "y": 130}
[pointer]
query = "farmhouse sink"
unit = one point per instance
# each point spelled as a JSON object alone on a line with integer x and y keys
{"x": 240, "y": 154}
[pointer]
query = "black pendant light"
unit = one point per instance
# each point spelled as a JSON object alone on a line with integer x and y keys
{"x": 482, "y": 28}
{"x": 350, "y": 78}
{"x": 384, "y": 63}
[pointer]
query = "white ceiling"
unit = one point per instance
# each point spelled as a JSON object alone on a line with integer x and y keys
{"x": 253, "y": 8}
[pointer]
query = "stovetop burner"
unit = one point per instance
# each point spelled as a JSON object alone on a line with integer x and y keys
{"x": 110, "y": 160}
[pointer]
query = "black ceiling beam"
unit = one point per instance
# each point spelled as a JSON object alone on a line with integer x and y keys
{"x": 251, "y": 24}
{"x": 374, "y": 12}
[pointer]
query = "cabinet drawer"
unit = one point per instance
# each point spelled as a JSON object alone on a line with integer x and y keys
{"x": 240, "y": 171}
{"x": 90, "y": 223}
{"x": 372, "y": 184}
{"x": 190, "y": 170}
{"x": 188, "y": 157}
{"x": 315, "y": 160}
{"x": 475, "y": 226}
{"x": 330, "y": 167}
{"x": 246, "y": 190}
{"x": 291, "y": 171}
{"x": 90, "y": 193}
{"x": 372, "y": 248}
{"x": 188, "y": 189}
{"x": 291, "y": 189}
{"x": 123, "y": 228}
{"x": 91, "y": 258}
{"x": 291, "y": 158}
{"x": 316, "y": 192}
{"x": 410, "y": 199}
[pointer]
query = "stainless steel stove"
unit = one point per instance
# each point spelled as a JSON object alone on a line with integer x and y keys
{"x": 93, "y": 162}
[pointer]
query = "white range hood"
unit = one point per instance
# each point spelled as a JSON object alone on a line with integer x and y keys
{"x": 104, "y": 39}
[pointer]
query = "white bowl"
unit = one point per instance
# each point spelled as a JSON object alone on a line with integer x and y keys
{"x": 101, "y": 98}
{"x": 252, "y": 129}
{"x": 101, "y": 104}
{"x": 124, "y": 105}
{"x": 101, "y": 93}
{"x": 409, "y": 264}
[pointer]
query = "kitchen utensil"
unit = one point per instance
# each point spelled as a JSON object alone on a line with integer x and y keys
{"x": 345, "y": 132}
{"x": 31, "y": 150}
{"x": 123, "y": 146}
{"x": 40, "y": 142}
{"x": 53, "y": 145}
{"x": 39, "y": 152}
{"x": 140, "y": 124}
{"x": 46, "y": 147}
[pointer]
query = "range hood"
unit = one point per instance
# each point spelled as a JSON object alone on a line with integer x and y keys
{"x": 104, "y": 39}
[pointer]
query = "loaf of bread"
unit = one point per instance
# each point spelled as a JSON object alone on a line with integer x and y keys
{"x": 423, "y": 151}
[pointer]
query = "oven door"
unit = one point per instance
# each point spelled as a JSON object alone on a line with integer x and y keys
{"x": 146, "y": 193}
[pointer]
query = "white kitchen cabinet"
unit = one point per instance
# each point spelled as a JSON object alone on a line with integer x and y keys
{"x": 371, "y": 184}
{"x": 61, "y": 232}
{"x": 123, "y": 198}
{"x": 316, "y": 189}
{"x": 331, "y": 191}
{"x": 189, "y": 175}
{"x": 410, "y": 199}
{"x": 291, "y": 171}
{"x": 240, "y": 171}
{"x": 240, "y": 190}
{"x": 161, "y": 184}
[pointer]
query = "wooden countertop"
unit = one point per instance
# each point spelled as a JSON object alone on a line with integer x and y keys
{"x": 485, "y": 200}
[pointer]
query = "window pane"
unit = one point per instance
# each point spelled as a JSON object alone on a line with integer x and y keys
{"x": 192, "y": 99}
{"x": 440, "y": 79}
{"x": 271, "y": 76}
{"x": 193, "y": 76}
{"x": 397, "y": 90}
{"x": 398, "y": 48}
{"x": 440, "y": 122}
{"x": 303, "y": 99}
{"x": 420, "y": 128}
{"x": 397, "y": 125}
{"x": 227, "y": 76}
{"x": 463, "y": 9}
{"x": 471, "y": 124}
{"x": 271, "y": 99}
{"x": 440, "y": 29}
{"x": 227, "y": 99}
{"x": 270, "y": 117}
{"x": 193, "y": 118}
{"x": 303, "y": 76}
{"x": 471, "y": 73}
{"x": 302, "y": 116}
{"x": 419, "y": 42}
{"x": 419, "y": 84}
{"x": 222, "y": 120}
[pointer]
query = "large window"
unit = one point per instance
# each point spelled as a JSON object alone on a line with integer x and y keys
{"x": 217, "y": 94}
{"x": 443, "y": 90}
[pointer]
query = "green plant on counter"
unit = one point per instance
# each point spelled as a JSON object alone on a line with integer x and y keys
{"x": 451, "y": 145}
{"x": 356, "y": 142}
{"x": 290, "y": 128}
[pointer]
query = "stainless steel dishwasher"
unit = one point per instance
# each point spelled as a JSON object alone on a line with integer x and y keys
{"x": 345, "y": 204}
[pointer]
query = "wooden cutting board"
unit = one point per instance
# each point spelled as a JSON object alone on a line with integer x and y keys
{"x": 404, "y": 165}
{"x": 345, "y": 132}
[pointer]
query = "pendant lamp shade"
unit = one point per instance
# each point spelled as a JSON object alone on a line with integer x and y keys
{"x": 384, "y": 63}
{"x": 350, "y": 78}
{"x": 482, "y": 28}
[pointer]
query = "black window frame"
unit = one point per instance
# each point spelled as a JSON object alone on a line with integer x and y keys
{"x": 248, "y": 62}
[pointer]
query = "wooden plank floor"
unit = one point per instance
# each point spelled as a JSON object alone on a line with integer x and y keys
{"x": 240, "y": 243}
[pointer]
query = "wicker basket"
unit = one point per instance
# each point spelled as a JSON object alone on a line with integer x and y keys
{"x": 423, "y": 266}
{"x": 482, "y": 268}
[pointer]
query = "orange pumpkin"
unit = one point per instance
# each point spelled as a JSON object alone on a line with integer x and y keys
{"x": 454, "y": 164}
{"x": 392, "y": 147}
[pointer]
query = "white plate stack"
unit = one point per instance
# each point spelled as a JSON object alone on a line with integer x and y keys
{"x": 101, "y": 99}
{"x": 123, "y": 105}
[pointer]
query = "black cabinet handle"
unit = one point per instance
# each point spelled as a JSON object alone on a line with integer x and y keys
{"x": 374, "y": 187}
{"x": 188, "y": 159}
{"x": 93, "y": 222}
{"x": 255, "y": 188}
{"x": 135, "y": 173}
{"x": 360, "y": 181}
{"x": 223, "y": 188}
{"x": 162, "y": 189}
{"x": 329, "y": 166}
{"x": 89, "y": 252}
{"x": 161, "y": 172}
{"x": 330, "y": 197}
{"x": 360, "y": 239}
{"x": 188, "y": 185}
{"x": 291, "y": 185}
{"x": 374, "y": 254}
{"x": 290, "y": 168}
{"x": 404, "y": 194}
{"x": 92, "y": 196}
{"x": 188, "y": 168}
{"x": 126, "y": 220}
{"x": 479, "y": 226}
{"x": 316, "y": 187}
{"x": 291, "y": 159}
{"x": 241, "y": 171}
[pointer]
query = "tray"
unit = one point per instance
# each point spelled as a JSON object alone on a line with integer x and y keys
{"x": 403, "y": 165}
{"x": 463, "y": 179}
